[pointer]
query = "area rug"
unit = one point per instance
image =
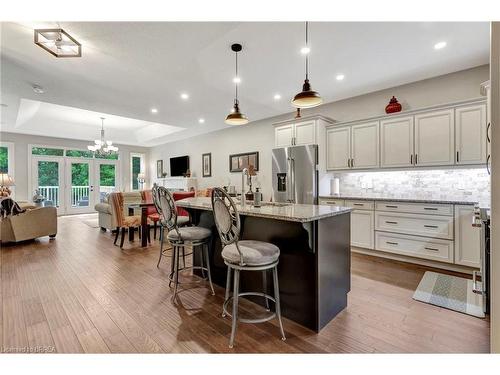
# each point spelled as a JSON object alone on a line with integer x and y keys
{"x": 93, "y": 223}
{"x": 450, "y": 292}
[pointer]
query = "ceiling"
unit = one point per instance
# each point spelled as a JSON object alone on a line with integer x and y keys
{"x": 127, "y": 68}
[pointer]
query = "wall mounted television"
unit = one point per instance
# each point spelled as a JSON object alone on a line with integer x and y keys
{"x": 179, "y": 166}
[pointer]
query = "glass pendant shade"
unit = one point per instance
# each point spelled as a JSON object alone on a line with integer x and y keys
{"x": 236, "y": 117}
{"x": 307, "y": 98}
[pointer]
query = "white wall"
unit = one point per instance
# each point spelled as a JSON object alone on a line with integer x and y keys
{"x": 259, "y": 135}
{"x": 22, "y": 142}
{"x": 495, "y": 188}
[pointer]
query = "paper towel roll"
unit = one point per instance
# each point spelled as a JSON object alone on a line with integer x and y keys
{"x": 335, "y": 186}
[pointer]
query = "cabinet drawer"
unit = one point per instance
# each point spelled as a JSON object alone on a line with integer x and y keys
{"x": 360, "y": 205}
{"x": 332, "y": 202}
{"x": 428, "y": 248}
{"x": 419, "y": 225}
{"x": 418, "y": 208}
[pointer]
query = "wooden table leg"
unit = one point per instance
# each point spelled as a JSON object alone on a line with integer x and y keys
{"x": 144, "y": 226}
{"x": 130, "y": 229}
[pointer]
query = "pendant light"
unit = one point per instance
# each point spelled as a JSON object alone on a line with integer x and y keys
{"x": 307, "y": 98}
{"x": 102, "y": 147}
{"x": 236, "y": 117}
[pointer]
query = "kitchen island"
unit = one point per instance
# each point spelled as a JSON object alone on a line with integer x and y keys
{"x": 314, "y": 265}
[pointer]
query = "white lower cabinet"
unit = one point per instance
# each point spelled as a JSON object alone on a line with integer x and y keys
{"x": 420, "y": 247}
{"x": 432, "y": 231}
{"x": 362, "y": 229}
{"x": 467, "y": 238}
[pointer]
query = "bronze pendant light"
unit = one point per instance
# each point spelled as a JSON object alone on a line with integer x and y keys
{"x": 307, "y": 98}
{"x": 236, "y": 117}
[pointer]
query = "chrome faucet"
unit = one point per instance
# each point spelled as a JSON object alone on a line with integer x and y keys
{"x": 244, "y": 173}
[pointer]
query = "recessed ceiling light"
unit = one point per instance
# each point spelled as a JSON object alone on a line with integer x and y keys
{"x": 340, "y": 77}
{"x": 154, "y": 110}
{"x": 237, "y": 80}
{"x": 38, "y": 89}
{"x": 184, "y": 96}
{"x": 277, "y": 97}
{"x": 201, "y": 120}
{"x": 305, "y": 50}
{"x": 440, "y": 45}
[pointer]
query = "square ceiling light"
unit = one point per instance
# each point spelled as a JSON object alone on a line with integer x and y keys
{"x": 58, "y": 43}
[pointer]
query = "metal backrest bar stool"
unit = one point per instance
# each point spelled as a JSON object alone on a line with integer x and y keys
{"x": 245, "y": 255}
{"x": 181, "y": 221}
{"x": 180, "y": 237}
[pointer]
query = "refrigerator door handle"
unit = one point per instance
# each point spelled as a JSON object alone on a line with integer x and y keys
{"x": 288, "y": 179}
{"x": 292, "y": 164}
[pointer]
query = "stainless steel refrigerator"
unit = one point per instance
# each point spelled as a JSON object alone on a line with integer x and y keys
{"x": 295, "y": 175}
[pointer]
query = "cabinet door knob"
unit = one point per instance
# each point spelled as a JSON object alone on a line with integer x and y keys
{"x": 457, "y": 156}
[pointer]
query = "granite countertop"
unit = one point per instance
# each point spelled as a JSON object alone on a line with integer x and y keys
{"x": 289, "y": 211}
{"x": 392, "y": 198}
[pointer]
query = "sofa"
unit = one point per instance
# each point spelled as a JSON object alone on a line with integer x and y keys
{"x": 107, "y": 220}
{"x": 31, "y": 224}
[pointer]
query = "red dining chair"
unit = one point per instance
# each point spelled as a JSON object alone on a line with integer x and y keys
{"x": 152, "y": 213}
{"x": 178, "y": 195}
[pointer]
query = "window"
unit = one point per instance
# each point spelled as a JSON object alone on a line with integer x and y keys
{"x": 113, "y": 156}
{"x": 136, "y": 166}
{"x": 7, "y": 158}
{"x": 79, "y": 154}
{"x": 46, "y": 151}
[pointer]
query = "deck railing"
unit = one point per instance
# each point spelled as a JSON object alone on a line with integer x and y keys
{"x": 79, "y": 194}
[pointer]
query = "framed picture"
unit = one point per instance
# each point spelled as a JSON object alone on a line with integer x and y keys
{"x": 206, "y": 163}
{"x": 159, "y": 168}
{"x": 239, "y": 161}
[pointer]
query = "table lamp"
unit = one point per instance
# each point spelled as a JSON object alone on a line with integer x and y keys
{"x": 141, "y": 178}
{"x": 5, "y": 182}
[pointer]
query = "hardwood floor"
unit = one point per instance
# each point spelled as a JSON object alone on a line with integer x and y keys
{"x": 79, "y": 293}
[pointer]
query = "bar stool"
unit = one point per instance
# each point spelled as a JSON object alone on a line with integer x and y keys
{"x": 180, "y": 237}
{"x": 181, "y": 221}
{"x": 245, "y": 255}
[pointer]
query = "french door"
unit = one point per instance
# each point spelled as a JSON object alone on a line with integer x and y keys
{"x": 48, "y": 179}
{"x": 74, "y": 185}
{"x": 80, "y": 185}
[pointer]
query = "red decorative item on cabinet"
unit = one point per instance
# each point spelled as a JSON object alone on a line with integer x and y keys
{"x": 393, "y": 106}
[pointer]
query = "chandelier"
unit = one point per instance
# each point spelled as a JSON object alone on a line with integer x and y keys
{"x": 101, "y": 147}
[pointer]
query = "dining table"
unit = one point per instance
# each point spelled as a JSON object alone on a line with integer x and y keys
{"x": 143, "y": 206}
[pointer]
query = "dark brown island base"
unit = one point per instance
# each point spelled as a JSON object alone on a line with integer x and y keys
{"x": 314, "y": 264}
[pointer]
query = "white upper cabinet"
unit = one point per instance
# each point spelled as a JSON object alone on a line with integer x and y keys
{"x": 284, "y": 135}
{"x": 305, "y": 133}
{"x": 338, "y": 142}
{"x": 471, "y": 134}
{"x": 434, "y": 138}
{"x": 396, "y": 142}
{"x": 365, "y": 145}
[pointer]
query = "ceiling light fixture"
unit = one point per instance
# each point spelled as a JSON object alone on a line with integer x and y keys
{"x": 236, "y": 117}
{"x": 184, "y": 96}
{"x": 201, "y": 120}
{"x": 340, "y": 77}
{"x": 154, "y": 110}
{"x": 101, "y": 147}
{"x": 277, "y": 97}
{"x": 307, "y": 98}
{"x": 440, "y": 45}
{"x": 38, "y": 89}
{"x": 58, "y": 43}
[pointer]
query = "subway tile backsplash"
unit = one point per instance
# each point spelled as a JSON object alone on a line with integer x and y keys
{"x": 469, "y": 184}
